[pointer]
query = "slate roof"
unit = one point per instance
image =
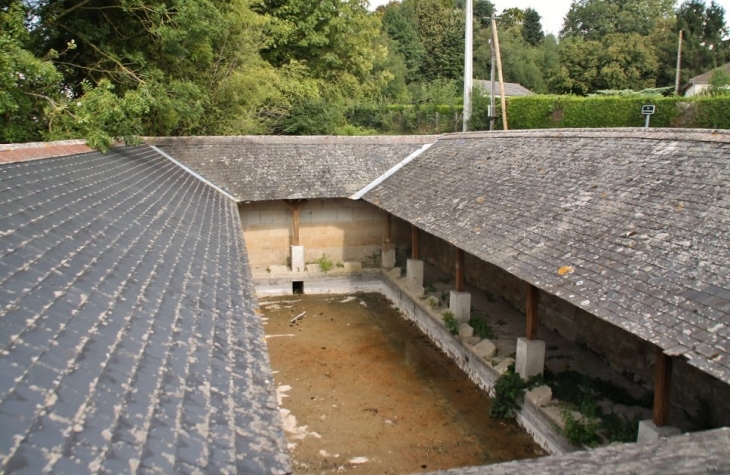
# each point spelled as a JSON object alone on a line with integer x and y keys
{"x": 510, "y": 88}
{"x": 705, "y": 77}
{"x": 702, "y": 452}
{"x": 631, "y": 225}
{"x": 128, "y": 339}
{"x": 273, "y": 168}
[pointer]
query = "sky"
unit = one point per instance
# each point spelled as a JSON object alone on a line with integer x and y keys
{"x": 551, "y": 11}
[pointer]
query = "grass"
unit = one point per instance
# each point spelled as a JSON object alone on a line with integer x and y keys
{"x": 325, "y": 263}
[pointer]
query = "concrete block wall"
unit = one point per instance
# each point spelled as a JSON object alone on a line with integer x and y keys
{"x": 705, "y": 399}
{"x": 344, "y": 229}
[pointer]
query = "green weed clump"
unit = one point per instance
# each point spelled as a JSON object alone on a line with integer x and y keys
{"x": 452, "y": 324}
{"x": 325, "y": 263}
{"x": 482, "y": 329}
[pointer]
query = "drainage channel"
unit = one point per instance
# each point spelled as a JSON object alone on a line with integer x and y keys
{"x": 362, "y": 388}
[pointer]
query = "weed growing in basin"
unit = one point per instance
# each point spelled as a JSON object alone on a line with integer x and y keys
{"x": 508, "y": 389}
{"x": 482, "y": 328}
{"x": 580, "y": 432}
{"x": 430, "y": 287}
{"x": 451, "y": 323}
{"x": 433, "y": 302}
{"x": 325, "y": 263}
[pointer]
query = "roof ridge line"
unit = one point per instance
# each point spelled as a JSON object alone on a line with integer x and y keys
{"x": 390, "y": 172}
{"x": 196, "y": 175}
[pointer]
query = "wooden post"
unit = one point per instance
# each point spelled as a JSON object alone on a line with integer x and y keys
{"x": 662, "y": 388}
{"x": 532, "y": 317}
{"x": 459, "y": 270}
{"x": 502, "y": 98}
{"x": 295, "y": 206}
{"x": 389, "y": 228}
{"x": 414, "y": 241}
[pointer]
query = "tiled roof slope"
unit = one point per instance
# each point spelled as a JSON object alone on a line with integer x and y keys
{"x": 272, "y": 168}
{"x": 10, "y": 153}
{"x": 703, "y": 452}
{"x": 631, "y": 225}
{"x": 128, "y": 339}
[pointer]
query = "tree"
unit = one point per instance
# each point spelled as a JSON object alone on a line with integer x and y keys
{"x": 594, "y": 19}
{"x": 401, "y": 25}
{"x": 532, "y": 28}
{"x": 704, "y": 31}
{"x": 441, "y": 31}
{"x": 28, "y": 84}
{"x": 618, "y": 61}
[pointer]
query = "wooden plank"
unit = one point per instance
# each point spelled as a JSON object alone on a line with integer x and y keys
{"x": 532, "y": 315}
{"x": 295, "y": 206}
{"x": 295, "y": 219}
{"x": 459, "y": 270}
{"x": 662, "y": 388}
{"x": 414, "y": 242}
{"x": 389, "y": 228}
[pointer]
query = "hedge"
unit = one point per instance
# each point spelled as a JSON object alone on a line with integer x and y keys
{"x": 544, "y": 112}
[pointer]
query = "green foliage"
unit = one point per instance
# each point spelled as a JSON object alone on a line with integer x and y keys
{"x": 451, "y": 323}
{"x": 619, "y": 429}
{"x": 532, "y": 28}
{"x": 543, "y": 112}
{"x": 482, "y": 329}
{"x": 580, "y": 432}
{"x": 719, "y": 83}
{"x": 325, "y": 263}
{"x": 507, "y": 390}
{"x": 595, "y": 19}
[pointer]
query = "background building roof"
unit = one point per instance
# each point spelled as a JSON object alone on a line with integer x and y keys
{"x": 128, "y": 338}
{"x": 629, "y": 225}
{"x": 510, "y": 88}
{"x": 272, "y": 168}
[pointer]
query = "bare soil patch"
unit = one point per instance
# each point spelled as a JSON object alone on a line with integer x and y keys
{"x": 361, "y": 388}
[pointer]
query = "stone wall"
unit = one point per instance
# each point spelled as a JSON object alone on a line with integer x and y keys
{"x": 344, "y": 229}
{"x": 705, "y": 399}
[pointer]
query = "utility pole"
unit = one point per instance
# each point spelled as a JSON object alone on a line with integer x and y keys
{"x": 491, "y": 79}
{"x": 679, "y": 63}
{"x": 468, "y": 59}
{"x": 503, "y": 100}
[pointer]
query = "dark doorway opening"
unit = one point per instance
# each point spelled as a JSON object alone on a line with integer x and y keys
{"x": 297, "y": 287}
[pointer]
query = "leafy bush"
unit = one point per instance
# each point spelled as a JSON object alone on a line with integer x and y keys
{"x": 582, "y": 431}
{"x": 508, "y": 388}
{"x": 452, "y": 324}
{"x": 325, "y": 263}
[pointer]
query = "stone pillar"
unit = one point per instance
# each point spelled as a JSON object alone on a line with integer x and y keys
{"x": 414, "y": 276}
{"x": 388, "y": 255}
{"x": 297, "y": 259}
{"x": 530, "y": 358}
{"x": 460, "y": 305}
{"x": 649, "y": 431}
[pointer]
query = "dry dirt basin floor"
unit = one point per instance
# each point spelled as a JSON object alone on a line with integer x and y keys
{"x": 362, "y": 389}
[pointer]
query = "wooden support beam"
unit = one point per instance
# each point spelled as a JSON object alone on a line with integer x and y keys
{"x": 662, "y": 388}
{"x": 532, "y": 316}
{"x": 414, "y": 242}
{"x": 459, "y": 270}
{"x": 295, "y": 206}
{"x": 389, "y": 228}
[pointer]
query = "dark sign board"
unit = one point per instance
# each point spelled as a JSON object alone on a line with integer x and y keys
{"x": 648, "y": 110}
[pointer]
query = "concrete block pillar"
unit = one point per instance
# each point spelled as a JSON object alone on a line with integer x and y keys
{"x": 649, "y": 431}
{"x": 530, "y": 357}
{"x": 414, "y": 276}
{"x": 388, "y": 255}
{"x": 297, "y": 259}
{"x": 460, "y": 305}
